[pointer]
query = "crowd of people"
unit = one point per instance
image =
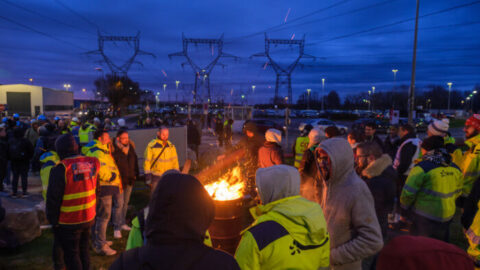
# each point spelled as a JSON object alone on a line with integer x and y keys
{"x": 336, "y": 208}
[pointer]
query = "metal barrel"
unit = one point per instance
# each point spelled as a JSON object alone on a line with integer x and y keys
{"x": 231, "y": 217}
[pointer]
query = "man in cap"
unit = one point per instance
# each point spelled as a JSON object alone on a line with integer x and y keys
{"x": 289, "y": 232}
{"x": 301, "y": 144}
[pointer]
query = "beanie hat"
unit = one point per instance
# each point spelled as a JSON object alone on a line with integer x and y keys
{"x": 121, "y": 122}
{"x": 273, "y": 135}
{"x": 474, "y": 121}
{"x": 439, "y": 127}
{"x": 432, "y": 143}
{"x": 315, "y": 136}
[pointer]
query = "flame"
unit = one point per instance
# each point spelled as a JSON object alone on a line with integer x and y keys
{"x": 229, "y": 187}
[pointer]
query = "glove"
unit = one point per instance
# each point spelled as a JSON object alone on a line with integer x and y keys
{"x": 148, "y": 178}
{"x": 112, "y": 177}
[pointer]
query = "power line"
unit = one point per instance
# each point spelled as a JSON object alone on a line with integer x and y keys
{"x": 41, "y": 33}
{"x": 44, "y": 16}
{"x": 78, "y": 14}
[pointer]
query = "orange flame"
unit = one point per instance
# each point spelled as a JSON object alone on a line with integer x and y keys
{"x": 229, "y": 187}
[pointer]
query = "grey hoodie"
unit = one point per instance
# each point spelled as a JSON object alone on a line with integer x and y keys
{"x": 348, "y": 207}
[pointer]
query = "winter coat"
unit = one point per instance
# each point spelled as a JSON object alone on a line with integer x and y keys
{"x": 108, "y": 175}
{"x": 270, "y": 154}
{"x": 381, "y": 179}
{"x": 308, "y": 174}
{"x": 193, "y": 135}
{"x": 180, "y": 211}
{"x": 127, "y": 163}
{"x": 406, "y": 154}
{"x": 391, "y": 145}
{"x": 469, "y": 163}
{"x": 349, "y": 209}
{"x": 32, "y": 136}
{"x": 25, "y": 145}
{"x": 376, "y": 139}
{"x": 3, "y": 152}
{"x": 168, "y": 159}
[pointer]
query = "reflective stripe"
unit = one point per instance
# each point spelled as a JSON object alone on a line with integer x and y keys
{"x": 79, "y": 195}
{"x": 410, "y": 189}
{"x": 68, "y": 209}
{"x": 473, "y": 237}
{"x": 421, "y": 213}
{"x": 166, "y": 160}
{"x": 440, "y": 194}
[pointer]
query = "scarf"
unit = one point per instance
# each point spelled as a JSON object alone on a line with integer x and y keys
{"x": 439, "y": 156}
{"x": 122, "y": 147}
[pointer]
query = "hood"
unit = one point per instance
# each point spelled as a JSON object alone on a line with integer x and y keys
{"x": 180, "y": 210}
{"x": 341, "y": 156}
{"x": 377, "y": 167}
{"x": 273, "y": 135}
{"x": 277, "y": 182}
{"x": 303, "y": 219}
{"x": 315, "y": 137}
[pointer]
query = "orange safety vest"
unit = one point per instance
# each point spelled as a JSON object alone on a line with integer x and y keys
{"x": 79, "y": 198}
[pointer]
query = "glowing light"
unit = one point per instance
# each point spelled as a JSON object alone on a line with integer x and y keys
{"x": 286, "y": 16}
{"x": 230, "y": 186}
{"x": 84, "y": 90}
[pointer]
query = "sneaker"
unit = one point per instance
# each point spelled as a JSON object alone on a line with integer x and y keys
{"x": 26, "y": 195}
{"x": 109, "y": 243}
{"x": 105, "y": 250}
{"x": 117, "y": 234}
{"x": 125, "y": 227}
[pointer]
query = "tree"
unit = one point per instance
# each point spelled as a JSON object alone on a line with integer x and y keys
{"x": 333, "y": 100}
{"x": 120, "y": 91}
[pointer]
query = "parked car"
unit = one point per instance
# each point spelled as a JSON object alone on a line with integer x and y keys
{"x": 264, "y": 125}
{"x": 382, "y": 126}
{"x": 420, "y": 124}
{"x": 308, "y": 113}
{"x": 322, "y": 124}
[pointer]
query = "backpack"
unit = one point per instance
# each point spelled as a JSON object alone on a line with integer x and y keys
{"x": 17, "y": 150}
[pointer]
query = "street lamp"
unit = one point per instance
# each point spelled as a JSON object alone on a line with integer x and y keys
{"x": 394, "y": 77}
{"x": 164, "y": 87}
{"x": 176, "y": 90}
{"x": 84, "y": 90}
{"x": 67, "y": 86}
{"x": 308, "y": 96}
{"x": 253, "y": 89}
{"x": 30, "y": 80}
{"x": 449, "y": 90}
{"x": 323, "y": 93}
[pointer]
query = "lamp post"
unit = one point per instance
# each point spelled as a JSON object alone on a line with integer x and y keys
{"x": 253, "y": 89}
{"x": 449, "y": 90}
{"x": 323, "y": 94}
{"x": 373, "y": 97}
{"x": 473, "y": 100}
{"x": 394, "y": 78}
{"x": 308, "y": 97}
{"x": 369, "y": 99}
{"x": 67, "y": 86}
{"x": 176, "y": 90}
{"x": 84, "y": 90}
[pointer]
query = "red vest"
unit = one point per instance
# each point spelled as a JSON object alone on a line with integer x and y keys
{"x": 79, "y": 198}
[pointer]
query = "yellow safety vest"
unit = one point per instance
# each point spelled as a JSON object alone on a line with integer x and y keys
{"x": 301, "y": 145}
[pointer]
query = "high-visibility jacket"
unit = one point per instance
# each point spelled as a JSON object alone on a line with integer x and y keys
{"x": 470, "y": 163}
{"x": 48, "y": 160}
{"x": 87, "y": 147}
{"x": 431, "y": 189}
{"x": 108, "y": 174}
{"x": 301, "y": 145}
{"x": 79, "y": 198}
{"x": 84, "y": 135}
{"x": 473, "y": 236}
{"x": 167, "y": 161}
{"x": 290, "y": 233}
{"x": 449, "y": 139}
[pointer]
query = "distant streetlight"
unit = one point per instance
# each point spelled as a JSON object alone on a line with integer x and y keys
{"x": 394, "y": 77}
{"x": 449, "y": 90}
{"x": 253, "y": 89}
{"x": 84, "y": 90}
{"x": 323, "y": 93}
{"x": 67, "y": 86}
{"x": 30, "y": 80}
{"x": 308, "y": 96}
{"x": 164, "y": 87}
{"x": 176, "y": 90}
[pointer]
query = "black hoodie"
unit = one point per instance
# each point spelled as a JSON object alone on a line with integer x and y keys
{"x": 180, "y": 213}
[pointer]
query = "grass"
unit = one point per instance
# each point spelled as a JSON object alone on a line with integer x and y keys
{"x": 38, "y": 253}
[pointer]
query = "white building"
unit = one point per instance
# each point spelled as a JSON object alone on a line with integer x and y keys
{"x": 31, "y": 100}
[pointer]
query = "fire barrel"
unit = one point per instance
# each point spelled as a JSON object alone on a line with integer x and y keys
{"x": 231, "y": 217}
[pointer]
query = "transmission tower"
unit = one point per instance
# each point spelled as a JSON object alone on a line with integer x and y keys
{"x": 202, "y": 74}
{"x": 283, "y": 74}
{"x": 120, "y": 70}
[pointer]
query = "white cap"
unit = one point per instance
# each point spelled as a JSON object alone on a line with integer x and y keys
{"x": 75, "y": 119}
{"x": 121, "y": 122}
{"x": 273, "y": 135}
{"x": 439, "y": 127}
{"x": 96, "y": 119}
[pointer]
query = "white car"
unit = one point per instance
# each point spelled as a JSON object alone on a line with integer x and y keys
{"x": 322, "y": 124}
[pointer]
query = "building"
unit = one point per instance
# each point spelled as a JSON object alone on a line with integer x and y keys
{"x": 32, "y": 100}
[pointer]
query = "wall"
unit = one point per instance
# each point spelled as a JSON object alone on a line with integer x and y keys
{"x": 35, "y": 94}
{"x": 53, "y": 97}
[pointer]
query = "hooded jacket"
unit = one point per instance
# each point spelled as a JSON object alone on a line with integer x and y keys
{"x": 127, "y": 163}
{"x": 180, "y": 212}
{"x": 469, "y": 163}
{"x": 352, "y": 223}
{"x": 381, "y": 180}
{"x": 289, "y": 231}
{"x": 271, "y": 152}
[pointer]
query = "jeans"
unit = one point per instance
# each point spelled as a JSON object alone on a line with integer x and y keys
{"x": 74, "y": 243}
{"x": 104, "y": 211}
{"x": 423, "y": 226}
{"x": 117, "y": 211}
{"x": 20, "y": 169}
{"x": 127, "y": 191}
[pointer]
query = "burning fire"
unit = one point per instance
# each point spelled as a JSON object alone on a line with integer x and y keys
{"x": 229, "y": 187}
